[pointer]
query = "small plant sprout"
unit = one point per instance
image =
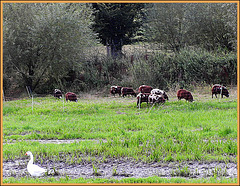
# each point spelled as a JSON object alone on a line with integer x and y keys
{"x": 46, "y": 173}
{"x": 72, "y": 161}
{"x": 197, "y": 172}
{"x": 55, "y": 172}
{"x": 114, "y": 172}
{"x": 79, "y": 160}
{"x": 95, "y": 171}
{"x": 184, "y": 172}
{"x": 13, "y": 173}
{"x": 216, "y": 171}
{"x": 67, "y": 178}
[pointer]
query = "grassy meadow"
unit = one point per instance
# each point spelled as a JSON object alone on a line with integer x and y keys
{"x": 204, "y": 130}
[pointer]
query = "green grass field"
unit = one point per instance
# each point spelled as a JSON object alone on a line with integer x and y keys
{"x": 204, "y": 130}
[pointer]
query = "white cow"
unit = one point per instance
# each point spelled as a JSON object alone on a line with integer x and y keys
{"x": 155, "y": 98}
{"x": 159, "y": 92}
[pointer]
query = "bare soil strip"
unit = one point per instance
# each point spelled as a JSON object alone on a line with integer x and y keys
{"x": 118, "y": 169}
{"x": 57, "y": 141}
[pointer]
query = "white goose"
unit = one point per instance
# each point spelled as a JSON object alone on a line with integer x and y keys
{"x": 34, "y": 170}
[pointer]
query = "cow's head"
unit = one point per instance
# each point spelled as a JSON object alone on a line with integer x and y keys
{"x": 165, "y": 96}
{"x": 225, "y": 92}
{"x": 160, "y": 99}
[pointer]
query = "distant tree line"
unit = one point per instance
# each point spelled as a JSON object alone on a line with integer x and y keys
{"x": 212, "y": 26}
{"x": 59, "y": 45}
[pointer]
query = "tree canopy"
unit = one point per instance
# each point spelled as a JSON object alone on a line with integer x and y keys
{"x": 208, "y": 25}
{"x": 44, "y": 41}
{"x": 116, "y": 24}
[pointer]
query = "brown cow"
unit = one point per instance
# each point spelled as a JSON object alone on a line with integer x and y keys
{"x": 115, "y": 90}
{"x": 185, "y": 95}
{"x": 128, "y": 91}
{"x": 145, "y": 89}
{"x": 142, "y": 97}
{"x": 71, "y": 96}
{"x": 57, "y": 93}
{"x": 219, "y": 89}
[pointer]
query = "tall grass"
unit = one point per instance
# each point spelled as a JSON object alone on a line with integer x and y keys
{"x": 189, "y": 66}
{"x": 175, "y": 131}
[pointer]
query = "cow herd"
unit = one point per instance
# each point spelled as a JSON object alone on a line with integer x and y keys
{"x": 152, "y": 96}
{"x": 147, "y": 94}
{"x": 144, "y": 93}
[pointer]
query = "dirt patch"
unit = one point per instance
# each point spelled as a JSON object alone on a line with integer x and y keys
{"x": 57, "y": 141}
{"x": 122, "y": 168}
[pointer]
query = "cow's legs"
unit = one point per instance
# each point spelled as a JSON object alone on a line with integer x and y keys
{"x": 139, "y": 104}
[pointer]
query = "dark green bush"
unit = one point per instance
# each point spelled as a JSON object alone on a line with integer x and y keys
{"x": 188, "y": 67}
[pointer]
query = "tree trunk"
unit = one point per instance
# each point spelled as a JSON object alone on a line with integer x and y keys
{"x": 30, "y": 75}
{"x": 114, "y": 47}
{"x": 28, "y": 81}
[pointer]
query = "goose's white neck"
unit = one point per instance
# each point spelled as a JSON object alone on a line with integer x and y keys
{"x": 31, "y": 159}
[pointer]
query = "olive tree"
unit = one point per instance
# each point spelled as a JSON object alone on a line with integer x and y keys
{"x": 42, "y": 42}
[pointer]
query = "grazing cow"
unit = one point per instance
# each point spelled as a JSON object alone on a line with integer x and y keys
{"x": 57, "y": 93}
{"x": 115, "y": 90}
{"x": 154, "y": 98}
{"x": 71, "y": 96}
{"x": 128, "y": 91}
{"x": 219, "y": 89}
{"x": 145, "y": 89}
{"x": 159, "y": 92}
{"x": 185, "y": 95}
{"x": 142, "y": 97}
